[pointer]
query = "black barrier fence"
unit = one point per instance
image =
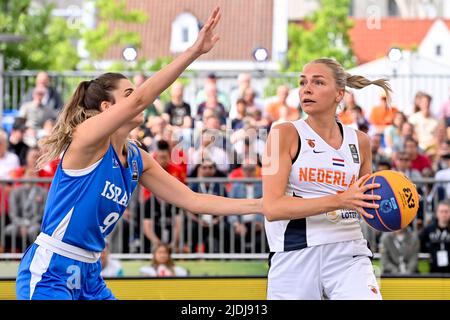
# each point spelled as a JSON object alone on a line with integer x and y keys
{"x": 149, "y": 220}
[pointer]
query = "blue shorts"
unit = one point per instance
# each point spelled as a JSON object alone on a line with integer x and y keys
{"x": 45, "y": 275}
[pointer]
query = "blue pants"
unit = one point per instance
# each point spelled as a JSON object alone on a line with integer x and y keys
{"x": 45, "y": 275}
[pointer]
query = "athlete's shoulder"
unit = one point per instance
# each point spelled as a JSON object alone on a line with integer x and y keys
{"x": 286, "y": 129}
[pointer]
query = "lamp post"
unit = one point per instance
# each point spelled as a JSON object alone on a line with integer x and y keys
{"x": 5, "y": 38}
{"x": 260, "y": 55}
{"x": 395, "y": 55}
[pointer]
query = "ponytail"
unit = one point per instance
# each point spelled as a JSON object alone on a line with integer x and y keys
{"x": 359, "y": 82}
{"x": 73, "y": 113}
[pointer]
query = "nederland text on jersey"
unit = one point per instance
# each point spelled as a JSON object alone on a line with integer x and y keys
{"x": 328, "y": 176}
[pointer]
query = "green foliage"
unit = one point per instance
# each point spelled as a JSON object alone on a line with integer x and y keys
{"x": 325, "y": 36}
{"x": 99, "y": 40}
{"x": 48, "y": 43}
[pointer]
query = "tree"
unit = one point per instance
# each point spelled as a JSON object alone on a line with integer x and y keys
{"x": 49, "y": 41}
{"x": 324, "y": 34}
{"x": 99, "y": 40}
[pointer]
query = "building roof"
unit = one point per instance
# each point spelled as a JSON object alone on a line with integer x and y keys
{"x": 372, "y": 43}
{"x": 244, "y": 26}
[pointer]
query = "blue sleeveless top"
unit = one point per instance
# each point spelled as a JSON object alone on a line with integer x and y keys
{"x": 83, "y": 210}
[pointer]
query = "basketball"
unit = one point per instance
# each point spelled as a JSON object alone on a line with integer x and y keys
{"x": 398, "y": 204}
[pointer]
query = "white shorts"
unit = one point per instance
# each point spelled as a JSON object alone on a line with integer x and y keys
{"x": 338, "y": 271}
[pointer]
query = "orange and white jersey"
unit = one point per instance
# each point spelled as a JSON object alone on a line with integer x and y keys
{"x": 319, "y": 170}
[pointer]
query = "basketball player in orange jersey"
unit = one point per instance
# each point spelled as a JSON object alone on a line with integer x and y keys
{"x": 313, "y": 172}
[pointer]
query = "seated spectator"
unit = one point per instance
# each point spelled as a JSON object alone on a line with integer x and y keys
{"x": 209, "y": 150}
{"x": 443, "y": 188}
{"x": 419, "y": 161}
{"x": 346, "y": 116}
{"x": 403, "y": 164}
{"x": 29, "y": 169}
{"x": 156, "y": 108}
{"x": 111, "y": 268}
{"x": 274, "y": 108}
{"x": 241, "y": 109}
{"x": 26, "y": 208}
{"x": 247, "y": 142}
{"x": 35, "y": 111}
{"x": 211, "y": 81}
{"x": 358, "y": 120}
{"x": 248, "y": 229}
{"x": 16, "y": 140}
{"x": 435, "y": 239}
{"x": 8, "y": 161}
{"x": 392, "y": 134}
{"x": 400, "y": 252}
{"x": 205, "y": 229}
{"x": 424, "y": 123}
{"x": 382, "y": 115}
{"x": 46, "y": 129}
{"x": 177, "y": 112}
{"x": 212, "y": 103}
{"x": 384, "y": 165}
{"x": 162, "y": 264}
{"x": 51, "y": 99}
{"x": 377, "y": 152}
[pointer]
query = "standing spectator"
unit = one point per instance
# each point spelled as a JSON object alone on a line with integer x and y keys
{"x": 162, "y": 221}
{"x": 247, "y": 228}
{"x": 273, "y": 109}
{"x": 36, "y": 112}
{"x": 419, "y": 161}
{"x": 382, "y": 115}
{"x": 162, "y": 264}
{"x": 111, "y": 268}
{"x": 51, "y": 99}
{"x": 177, "y": 111}
{"x": 8, "y": 161}
{"x": 425, "y": 124}
{"x": 400, "y": 252}
{"x": 435, "y": 240}
{"x": 392, "y": 134}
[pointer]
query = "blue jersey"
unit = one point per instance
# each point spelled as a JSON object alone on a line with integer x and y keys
{"x": 83, "y": 210}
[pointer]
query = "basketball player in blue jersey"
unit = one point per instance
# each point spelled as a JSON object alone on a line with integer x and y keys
{"x": 313, "y": 172}
{"x": 97, "y": 173}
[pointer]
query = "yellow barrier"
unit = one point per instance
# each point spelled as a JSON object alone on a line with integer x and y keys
{"x": 245, "y": 289}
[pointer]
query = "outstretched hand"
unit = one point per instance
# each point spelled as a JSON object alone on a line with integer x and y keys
{"x": 206, "y": 38}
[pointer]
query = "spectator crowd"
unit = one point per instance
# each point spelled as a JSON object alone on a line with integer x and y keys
{"x": 223, "y": 136}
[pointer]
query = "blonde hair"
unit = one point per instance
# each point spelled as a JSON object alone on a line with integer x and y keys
{"x": 84, "y": 104}
{"x": 344, "y": 79}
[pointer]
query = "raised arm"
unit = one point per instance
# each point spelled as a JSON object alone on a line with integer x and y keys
{"x": 168, "y": 188}
{"x": 118, "y": 114}
{"x": 277, "y": 161}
